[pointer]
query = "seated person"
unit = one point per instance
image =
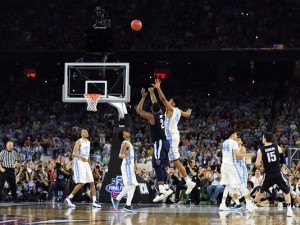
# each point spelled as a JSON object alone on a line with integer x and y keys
{"x": 214, "y": 189}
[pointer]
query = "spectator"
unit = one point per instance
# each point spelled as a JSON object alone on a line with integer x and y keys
{"x": 214, "y": 190}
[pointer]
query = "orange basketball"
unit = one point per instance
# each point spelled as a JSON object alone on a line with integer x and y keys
{"x": 136, "y": 25}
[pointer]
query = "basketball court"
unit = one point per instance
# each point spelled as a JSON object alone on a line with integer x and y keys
{"x": 110, "y": 84}
{"x": 59, "y": 213}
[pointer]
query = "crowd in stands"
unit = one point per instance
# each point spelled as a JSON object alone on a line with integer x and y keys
{"x": 192, "y": 24}
{"x": 44, "y": 131}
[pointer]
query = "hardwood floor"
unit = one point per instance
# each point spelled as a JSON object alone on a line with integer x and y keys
{"x": 47, "y": 213}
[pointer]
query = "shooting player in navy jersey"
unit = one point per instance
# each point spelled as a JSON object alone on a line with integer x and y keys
{"x": 157, "y": 134}
{"x": 272, "y": 156}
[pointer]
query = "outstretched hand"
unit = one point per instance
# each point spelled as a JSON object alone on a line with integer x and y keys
{"x": 144, "y": 93}
{"x": 151, "y": 89}
{"x": 157, "y": 83}
{"x": 189, "y": 111}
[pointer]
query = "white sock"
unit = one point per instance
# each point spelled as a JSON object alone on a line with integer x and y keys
{"x": 71, "y": 196}
{"x": 225, "y": 193}
{"x": 130, "y": 194}
{"x": 94, "y": 199}
{"x": 237, "y": 202}
{"x": 289, "y": 207}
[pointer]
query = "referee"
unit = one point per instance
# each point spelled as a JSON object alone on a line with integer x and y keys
{"x": 8, "y": 161}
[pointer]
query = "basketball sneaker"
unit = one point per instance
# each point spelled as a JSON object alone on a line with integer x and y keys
{"x": 190, "y": 186}
{"x": 223, "y": 207}
{"x": 128, "y": 208}
{"x": 69, "y": 203}
{"x": 96, "y": 205}
{"x": 115, "y": 203}
{"x": 163, "y": 193}
{"x": 158, "y": 197}
{"x": 237, "y": 207}
{"x": 167, "y": 193}
{"x": 162, "y": 196}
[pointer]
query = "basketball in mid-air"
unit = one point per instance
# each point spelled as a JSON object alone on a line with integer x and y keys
{"x": 136, "y": 25}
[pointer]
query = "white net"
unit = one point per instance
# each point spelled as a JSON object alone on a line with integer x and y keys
{"x": 92, "y": 101}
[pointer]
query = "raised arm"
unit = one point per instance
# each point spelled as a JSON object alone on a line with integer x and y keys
{"x": 162, "y": 96}
{"x": 281, "y": 155}
{"x": 152, "y": 95}
{"x": 147, "y": 115}
{"x": 187, "y": 113}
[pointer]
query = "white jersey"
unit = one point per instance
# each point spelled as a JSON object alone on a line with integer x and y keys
{"x": 230, "y": 170}
{"x": 228, "y": 148}
{"x": 82, "y": 170}
{"x": 84, "y": 149}
{"x": 243, "y": 168}
{"x": 242, "y": 161}
{"x": 127, "y": 167}
{"x": 171, "y": 124}
{"x": 129, "y": 160}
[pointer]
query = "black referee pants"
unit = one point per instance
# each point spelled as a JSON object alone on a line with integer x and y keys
{"x": 10, "y": 177}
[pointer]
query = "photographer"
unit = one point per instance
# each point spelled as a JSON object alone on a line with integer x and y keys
{"x": 214, "y": 190}
{"x": 179, "y": 183}
{"x": 22, "y": 179}
{"x": 60, "y": 180}
{"x": 98, "y": 175}
{"x": 192, "y": 171}
{"x": 40, "y": 180}
{"x": 23, "y": 175}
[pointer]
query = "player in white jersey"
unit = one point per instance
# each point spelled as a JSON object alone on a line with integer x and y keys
{"x": 128, "y": 172}
{"x": 82, "y": 170}
{"x": 231, "y": 175}
{"x": 172, "y": 118}
{"x": 243, "y": 171}
{"x": 242, "y": 162}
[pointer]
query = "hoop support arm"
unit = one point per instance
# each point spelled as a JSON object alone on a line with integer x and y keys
{"x": 121, "y": 107}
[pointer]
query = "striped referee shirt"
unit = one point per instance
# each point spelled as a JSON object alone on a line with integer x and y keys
{"x": 8, "y": 158}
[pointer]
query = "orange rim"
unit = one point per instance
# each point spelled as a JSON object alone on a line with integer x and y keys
{"x": 93, "y": 96}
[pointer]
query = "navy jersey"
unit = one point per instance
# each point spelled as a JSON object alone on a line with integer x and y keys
{"x": 157, "y": 131}
{"x": 270, "y": 157}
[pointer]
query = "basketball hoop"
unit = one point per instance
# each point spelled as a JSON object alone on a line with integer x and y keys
{"x": 92, "y": 101}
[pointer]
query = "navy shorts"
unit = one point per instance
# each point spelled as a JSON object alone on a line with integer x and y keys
{"x": 277, "y": 178}
{"x": 160, "y": 155}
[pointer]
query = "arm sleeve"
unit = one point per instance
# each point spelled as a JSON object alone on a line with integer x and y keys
{"x": 282, "y": 158}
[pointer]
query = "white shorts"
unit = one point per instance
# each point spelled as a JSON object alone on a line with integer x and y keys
{"x": 231, "y": 175}
{"x": 174, "y": 145}
{"x": 82, "y": 172}
{"x": 128, "y": 175}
